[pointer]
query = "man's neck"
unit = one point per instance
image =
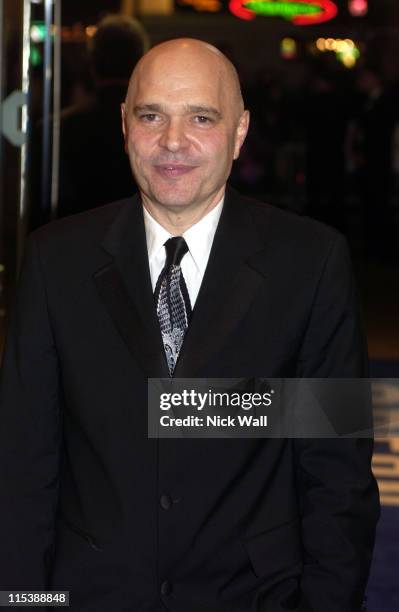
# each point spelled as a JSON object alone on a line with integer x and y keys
{"x": 176, "y": 221}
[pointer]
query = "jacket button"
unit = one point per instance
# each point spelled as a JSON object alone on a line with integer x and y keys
{"x": 166, "y": 588}
{"x": 165, "y": 502}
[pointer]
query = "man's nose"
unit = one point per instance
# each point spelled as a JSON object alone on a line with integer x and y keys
{"x": 174, "y": 135}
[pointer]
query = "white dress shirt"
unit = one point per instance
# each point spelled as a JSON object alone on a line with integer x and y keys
{"x": 199, "y": 238}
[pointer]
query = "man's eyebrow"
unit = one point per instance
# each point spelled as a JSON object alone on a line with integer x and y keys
{"x": 155, "y": 108}
{"x": 190, "y": 108}
{"x": 206, "y": 110}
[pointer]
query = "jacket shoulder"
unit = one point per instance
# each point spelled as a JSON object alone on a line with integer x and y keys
{"x": 289, "y": 223}
{"x": 85, "y": 228}
{"x": 295, "y": 244}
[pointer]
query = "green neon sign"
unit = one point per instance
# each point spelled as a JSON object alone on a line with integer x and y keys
{"x": 282, "y": 9}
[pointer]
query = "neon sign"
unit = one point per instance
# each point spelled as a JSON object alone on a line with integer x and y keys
{"x": 300, "y": 12}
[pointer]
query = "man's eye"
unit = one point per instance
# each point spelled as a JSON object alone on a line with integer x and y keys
{"x": 202, "y": 119}
{"x": 149, "y": 117}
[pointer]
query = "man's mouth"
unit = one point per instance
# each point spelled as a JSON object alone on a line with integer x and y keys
{"x": 173, "y": 170}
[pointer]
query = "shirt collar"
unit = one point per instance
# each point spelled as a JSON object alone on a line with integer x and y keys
{"x": 156, "y": 235}
{"x": 198, "y": 237}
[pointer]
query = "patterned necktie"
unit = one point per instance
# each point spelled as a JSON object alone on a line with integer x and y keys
{"x": 172, "y": 300}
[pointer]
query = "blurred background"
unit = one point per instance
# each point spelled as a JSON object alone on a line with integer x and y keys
{"x": 321, "y": 79}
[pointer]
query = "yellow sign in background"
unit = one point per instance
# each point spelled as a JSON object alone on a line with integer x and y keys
{"x": 386, "y": 470}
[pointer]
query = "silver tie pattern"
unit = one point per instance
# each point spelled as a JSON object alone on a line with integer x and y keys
{"x": 172, "y": 301}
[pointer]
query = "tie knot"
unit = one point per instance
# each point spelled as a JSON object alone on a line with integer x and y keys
{"x": 176, "y": 248}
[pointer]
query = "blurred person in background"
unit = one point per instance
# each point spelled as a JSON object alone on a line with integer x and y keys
{"x": 326, "y": 121}
{"x": 256, "y": 170}
{"x": 94, "y": 169}
{"x": 374, "y": 128}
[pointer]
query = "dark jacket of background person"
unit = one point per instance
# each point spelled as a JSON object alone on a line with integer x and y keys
{"x": 326, "y": 120}
{"x": 94, "y": 169}
{"x": 374, "y": 134}
{"x": 189, "y": 525}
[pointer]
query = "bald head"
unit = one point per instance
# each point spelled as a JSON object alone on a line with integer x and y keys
{"x": 183, "y": 56}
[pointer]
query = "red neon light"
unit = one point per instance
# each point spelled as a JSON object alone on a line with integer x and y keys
{"x": 329, "y": 11}
{"x": 236, "y": 7}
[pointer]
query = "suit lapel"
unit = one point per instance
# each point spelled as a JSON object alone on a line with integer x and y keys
{"x": 124, "y": 285}
{"x": 228, "y": 288}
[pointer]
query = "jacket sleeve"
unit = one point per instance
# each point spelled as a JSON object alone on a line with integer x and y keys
{"x": 30, "y": 435}
{"x": 337, "y": 490}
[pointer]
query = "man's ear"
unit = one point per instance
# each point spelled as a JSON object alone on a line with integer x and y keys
{"x": 241, "y": 132}
{"x": 124, "y": 124}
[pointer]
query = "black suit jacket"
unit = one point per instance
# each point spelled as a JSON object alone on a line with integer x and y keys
{"x": 89, "y": 504}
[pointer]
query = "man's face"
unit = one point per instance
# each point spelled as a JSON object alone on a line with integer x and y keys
{"x": 183, "y": 127}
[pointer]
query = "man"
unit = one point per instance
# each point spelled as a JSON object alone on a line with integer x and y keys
{"x": 89, "y": 504}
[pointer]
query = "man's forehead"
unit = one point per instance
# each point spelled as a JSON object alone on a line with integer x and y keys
{"x": 179, "y": 73}
{"x": 179, "y": 85}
